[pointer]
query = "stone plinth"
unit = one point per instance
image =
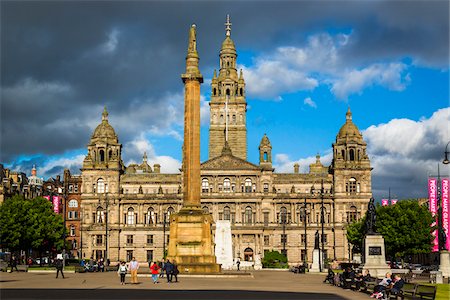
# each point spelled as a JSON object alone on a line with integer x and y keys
{"x": 374, "y": 256}
{"x": 444, "y": 266}
{"x": 190, "y": 243}
{"x": 224, "y": 250}
{"x": 315, "y": 268}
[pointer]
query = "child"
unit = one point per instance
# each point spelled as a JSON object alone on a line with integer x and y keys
{"x": 154, "y": 268}
{"x": 122, "y": 271}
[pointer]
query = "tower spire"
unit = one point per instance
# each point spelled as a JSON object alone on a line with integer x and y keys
{"x": 105, "y": 115}
{"x": 348, "y": 115}
{"x": 228, "y": 26}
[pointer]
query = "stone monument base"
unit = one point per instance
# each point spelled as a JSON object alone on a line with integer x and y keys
{"x": 191, "y": 242}
{"x": 444, "y": 266}
{"x": 315, "y": 268}
{"x": 224, "y": 247}
{"x": 374, "y": 256}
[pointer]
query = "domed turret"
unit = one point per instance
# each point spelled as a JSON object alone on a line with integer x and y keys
{"x": 104, "y": 130}
{"x": 349, "y": 129}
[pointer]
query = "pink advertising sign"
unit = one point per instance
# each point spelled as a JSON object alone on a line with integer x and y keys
{"x": 394, "y": 201}
{"x": 56, "y": 204}
{"x": 384, "y": 202}
{"x": 432, "y": 197}
{"x": 445, "y": 212}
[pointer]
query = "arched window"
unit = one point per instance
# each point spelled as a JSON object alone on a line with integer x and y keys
{"x": 206, "y": 209}
{"x": 227, "y": 92}
{"x": 100, "y": 185}
{"x": 170, "y": 211}
{"x": 130, "y": 216}
{"x": 265, "y": 156}
{"x": 241, "y": 91}
{"x": 343, "y": 154}
{"x": 102, "y": 155}
{"x": 214, "y": 91}
{"x": 352, "y": 214}
{"x": 352, "y": 154}
{"x": 100, "y": 215}
{"x": 248, "y": 216}
{"x": 221, "y": 119}
{"x": 73, "y": 203}
{"x": 110, "y": 154}
{"x": 151, "y": 216}
{"x": 282, "y": 216}
{"x": 226, "y": 213}
{"x": 248, "y": 185}
{"x": 233, "y": 119}
{"x": 205, "y": 185}
{"x": 352, "y": 186}
{"x": 226, "y": 185}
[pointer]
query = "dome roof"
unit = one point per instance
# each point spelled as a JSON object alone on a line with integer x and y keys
{"x": 265, "y": 141}
{"x": 104, "y": 129}
{"x": 228, "y": 44}
{"x": 349, "y": 129}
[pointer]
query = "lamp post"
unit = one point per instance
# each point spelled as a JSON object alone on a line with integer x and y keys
{"x": 164, "y": 235}
{"x": 283, "y": 223}
{"x": 106, "y": 222}
{"x": 322, "y": 220}
{"x": 303, "y": 216}
{"x": 446, "y": 161}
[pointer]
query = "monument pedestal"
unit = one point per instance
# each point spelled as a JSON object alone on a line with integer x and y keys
{"x": 315, "y": 268}
{"x": 191, "y": 243}
{"x": 374, "y": 256}
{"x": 444, "y": 266}
{"x": 224, "y": 249}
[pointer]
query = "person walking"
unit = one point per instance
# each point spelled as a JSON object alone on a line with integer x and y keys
{"x": 238, "y": 263}
{"x": 134, "y": 266}
{"x": 154, "y": 269}
{"x": 122, "y": 271}
{"x": 59, "y": 265}
{"x": 162, "y": 268}
{"x": 175, "y": 271}
{"x": 13, "y": 264}
{"x": 169, "y": 270}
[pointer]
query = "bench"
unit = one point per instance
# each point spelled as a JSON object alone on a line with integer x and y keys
{"x": 370, "y": 286}
{"x": 408, "y": 291}
{"x": 426, "y": 292}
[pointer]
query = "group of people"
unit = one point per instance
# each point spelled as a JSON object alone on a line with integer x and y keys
{"x": 170, "y": 269}
{"x": 350, "y": 278}
{"x": 388, "y": 286}
{"x": 93, "y": 265}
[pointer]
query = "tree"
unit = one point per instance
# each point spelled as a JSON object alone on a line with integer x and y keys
{"x": 30, "y": 224}
{"x": 405, "y": 226}
{"x": 274, "y": 259}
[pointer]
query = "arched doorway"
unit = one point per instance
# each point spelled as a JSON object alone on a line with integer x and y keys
{"x": 248, "y": 254}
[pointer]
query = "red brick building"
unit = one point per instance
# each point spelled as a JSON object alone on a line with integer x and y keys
{"x": 72, "y": 207}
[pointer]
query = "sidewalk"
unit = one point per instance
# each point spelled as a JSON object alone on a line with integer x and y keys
{"x": 268, "y": 281}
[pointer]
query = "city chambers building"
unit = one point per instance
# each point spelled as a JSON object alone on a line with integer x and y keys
{"x": 125, "y": 209}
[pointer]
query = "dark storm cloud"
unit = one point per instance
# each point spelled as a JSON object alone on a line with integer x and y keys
{"x": 61, "y": 61}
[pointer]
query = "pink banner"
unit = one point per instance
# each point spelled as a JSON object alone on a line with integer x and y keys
{"x": 394, "y": 201}
{"x": 384, "y": 202}
{"x": 56, "y": 204}
{"x": 445, "y": 212}
{"x": 47, "y": 197}
{"x": 432, "y": 196}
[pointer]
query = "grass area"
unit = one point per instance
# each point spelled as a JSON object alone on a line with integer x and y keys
{"x": 443, "y": 291}
{"x": 68, "y": 268}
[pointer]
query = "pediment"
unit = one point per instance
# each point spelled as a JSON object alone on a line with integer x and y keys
{"x": 228, "y": 162}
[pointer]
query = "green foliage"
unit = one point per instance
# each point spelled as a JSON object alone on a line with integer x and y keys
{"x": 29, "y": 224}
{"x": 405, "y": 227}
{"x": 274, "y": 259}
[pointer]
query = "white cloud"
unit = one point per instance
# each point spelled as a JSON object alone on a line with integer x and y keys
{"x": 113, "y": 40}
{"x": 322, "y": 60}
{"x": 308, "y": 101}
{"x": 386, "y": 75}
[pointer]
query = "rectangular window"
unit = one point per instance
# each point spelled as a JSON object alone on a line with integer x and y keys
{"x": 266, "y": 187}
{"x": 72, "y": 230}
{"x": 266, "y": 240}
{"x": 266, "y": 218}
{"x": 69, "y": 215}
{"x": 302, "y": 239}
{"x": 129, "y": 239}
{"x": 75, "y": 188}
{"x": 129, "y": 255}
{"x": 303, "y": 255}
{"x": 283, "y": 238}
{"x": 150, "y": 239}
{"x": 149, "y": 256}
{"x": 99, "y": 240}
{"x": 75, "y": 215}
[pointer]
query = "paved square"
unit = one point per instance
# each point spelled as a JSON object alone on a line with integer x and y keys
{"x": 262, "y": 285}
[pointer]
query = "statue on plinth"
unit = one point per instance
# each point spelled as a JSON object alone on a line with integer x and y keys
{"x": 371, "y": 217}
{"x": 316, "y": 240}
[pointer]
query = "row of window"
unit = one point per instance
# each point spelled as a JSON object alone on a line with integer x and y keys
{"x": 284, "y": 239}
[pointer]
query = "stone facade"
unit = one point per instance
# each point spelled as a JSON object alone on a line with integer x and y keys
{"x": 72, "y": 209}
{"x": 126, "y": 210}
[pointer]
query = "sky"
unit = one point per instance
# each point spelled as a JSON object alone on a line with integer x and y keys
{"x": 304, "y": 64}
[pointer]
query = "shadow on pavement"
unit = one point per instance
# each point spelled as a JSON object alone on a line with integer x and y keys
{"x": 156, "y": 294}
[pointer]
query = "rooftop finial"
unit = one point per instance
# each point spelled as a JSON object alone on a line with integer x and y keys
{"x": 144, "y": 158}
{"x": 105, "y": 114}
{"x": 228, "y": 26}
{"x": 348, "y": 115}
